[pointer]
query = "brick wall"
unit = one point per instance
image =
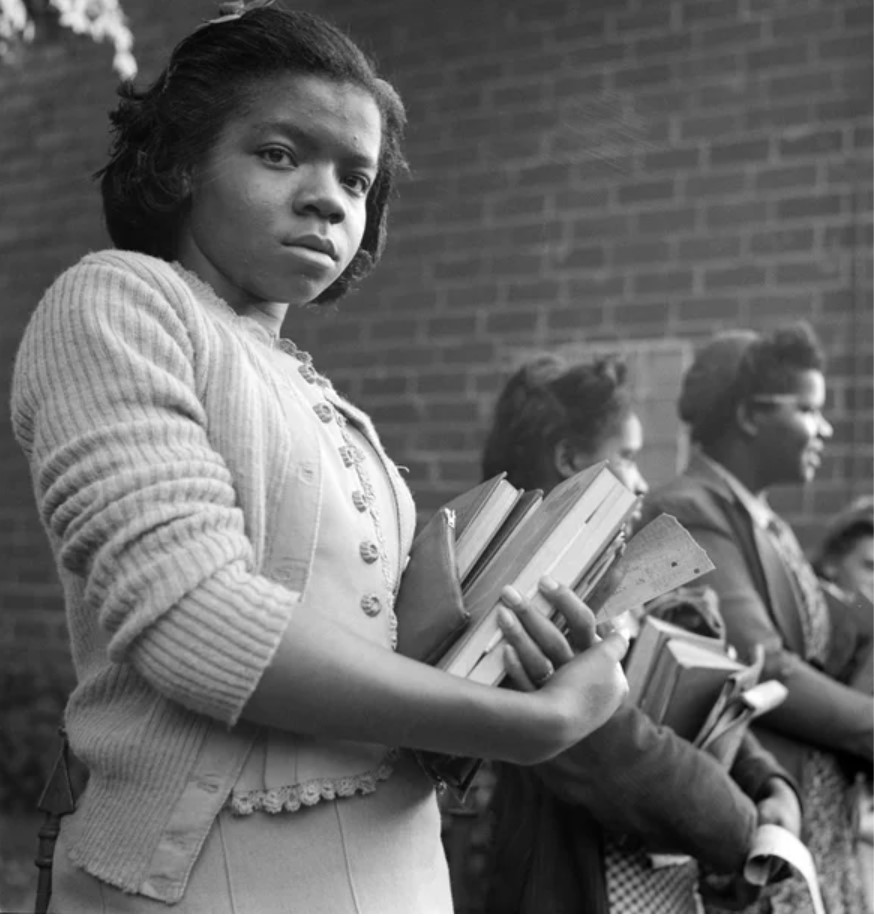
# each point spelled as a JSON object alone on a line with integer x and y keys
{"x": 602, "y": 173}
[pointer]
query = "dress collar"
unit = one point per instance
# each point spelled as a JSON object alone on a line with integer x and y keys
{"x": 757, "y": 506}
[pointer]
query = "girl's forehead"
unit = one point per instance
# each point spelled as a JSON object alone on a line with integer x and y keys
{"x": 810, "y": 384}
{"x": 316, "y": 105}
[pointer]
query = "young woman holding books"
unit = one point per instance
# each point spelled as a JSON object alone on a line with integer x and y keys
{"x": 228, "y": 530}
{"x": 573, "y": 834}
{"x": 754, "y": 407}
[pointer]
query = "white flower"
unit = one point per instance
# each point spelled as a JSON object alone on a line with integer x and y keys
{"x": 15, "y": 26}
{"x": 99, "y": 19}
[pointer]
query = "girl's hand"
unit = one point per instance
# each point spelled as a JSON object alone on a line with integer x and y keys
{"x": 574, "y": 701}
{"x": 780, "y": 806}
{"x": 574, "y": 692}
{"x": 536, "y": 647}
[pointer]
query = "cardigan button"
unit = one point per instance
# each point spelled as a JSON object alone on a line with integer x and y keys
{"x": 371, "y": 605}
{"x": 350, "y": 455}
{"x": 369, "y": 551}
{"x": 308, "y": 372}
{"x": 359, "y": 500}
{"x": 324, "y": 411}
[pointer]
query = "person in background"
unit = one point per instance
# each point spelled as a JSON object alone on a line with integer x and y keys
{"x": 573, "y": 834}
{"x": 228, "y": 530}
{"x": 845, "y": 556}
{"x": 754, "y": 406}
{"x": 844, "y": 561}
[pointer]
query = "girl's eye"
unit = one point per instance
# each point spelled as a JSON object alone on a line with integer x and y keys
{"x": 360, "y": 184}
{"x": 276, "y": 155}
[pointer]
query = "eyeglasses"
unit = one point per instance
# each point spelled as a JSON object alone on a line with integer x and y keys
{"x": 791, "y": 400}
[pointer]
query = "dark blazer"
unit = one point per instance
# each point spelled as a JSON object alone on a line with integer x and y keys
{"x": 631, "y": 777}
{"x": 759, "y": 602}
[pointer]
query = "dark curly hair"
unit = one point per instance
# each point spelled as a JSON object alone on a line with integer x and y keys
{"x": 735, "y": 367}
{"x": 546, "y": 401}
{"x": 843, "y": 532}
{"x": 162, "y": 132}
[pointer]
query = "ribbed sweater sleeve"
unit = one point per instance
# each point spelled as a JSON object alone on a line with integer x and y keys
{"x": 138, "y": 503}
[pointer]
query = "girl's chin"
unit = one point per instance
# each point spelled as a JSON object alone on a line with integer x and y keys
{"x": 808, "y": 471}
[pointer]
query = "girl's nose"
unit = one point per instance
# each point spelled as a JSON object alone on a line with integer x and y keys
{"x": 641, "y": 487}
{"x": 825, "y": 428}
{"x": 320, "y": 194}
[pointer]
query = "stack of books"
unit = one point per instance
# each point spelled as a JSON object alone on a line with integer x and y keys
{"x": 572, "y": 534}
{"x": 504, "y": 535}
{"x": 689, "y": 683}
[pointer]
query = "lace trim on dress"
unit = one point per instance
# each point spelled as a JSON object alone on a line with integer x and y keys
{"x": 309, "y": 793}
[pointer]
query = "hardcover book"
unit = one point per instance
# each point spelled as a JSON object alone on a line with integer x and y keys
{"x": 477, "y": 515}
{"x": 646, "y": 650}
{"x": 685, "y": 684}
{"x": 563, "y": 537}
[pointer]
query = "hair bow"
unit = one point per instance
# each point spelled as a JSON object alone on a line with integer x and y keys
{"x": 233, "y": 9}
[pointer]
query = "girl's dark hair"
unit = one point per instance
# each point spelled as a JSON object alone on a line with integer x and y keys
{"x": 735, "y": 367}
{"x": 843, "y": 532}
{"x": 546, "y": 401}
{"x": 161, "y": 133}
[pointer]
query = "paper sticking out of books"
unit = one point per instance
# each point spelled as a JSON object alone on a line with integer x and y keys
{"x": 721, "y": 737}
{"x": 660, "y": 557}
{"x": 742, "y": 699}
{"x": 772, "y": 842}
{"x": 772, "y": 846}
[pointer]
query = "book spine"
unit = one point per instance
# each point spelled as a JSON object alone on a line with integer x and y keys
{"x": 523, "y": 572}
{"x": 570, "y": 566}
{"x": 640, "y": 663}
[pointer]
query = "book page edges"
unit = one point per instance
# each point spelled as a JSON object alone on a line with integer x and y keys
{"x": 490, "y": 669}
{"x": 511, "y": 563}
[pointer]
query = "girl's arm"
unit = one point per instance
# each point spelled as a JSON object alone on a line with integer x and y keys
{"x": 642, "y": 780}
{"x": 325, "y": 680}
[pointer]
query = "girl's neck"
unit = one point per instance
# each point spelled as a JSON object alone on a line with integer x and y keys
{"x": 739, "y": 462}
{"x": 269, "y": 315}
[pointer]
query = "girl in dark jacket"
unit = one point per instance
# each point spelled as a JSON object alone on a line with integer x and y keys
{"x": 574, "y": 834}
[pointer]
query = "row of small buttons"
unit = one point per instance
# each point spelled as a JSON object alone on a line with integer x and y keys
{"x": 351, "y": 455}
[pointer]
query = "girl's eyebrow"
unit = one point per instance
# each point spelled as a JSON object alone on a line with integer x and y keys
{"x": 352, "y": 155}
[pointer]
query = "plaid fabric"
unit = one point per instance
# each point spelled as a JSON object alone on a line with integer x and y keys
{"x": 634, "y": 886}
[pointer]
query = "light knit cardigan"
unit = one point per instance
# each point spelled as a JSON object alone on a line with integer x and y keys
{"x": 156, "y": 448}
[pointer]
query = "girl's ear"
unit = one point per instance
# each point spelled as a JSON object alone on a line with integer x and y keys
{"x": 746, "y": 420}
{"x": 566, "y": 459}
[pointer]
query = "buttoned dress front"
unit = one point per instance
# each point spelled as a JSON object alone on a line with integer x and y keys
{"x": 288, "y": 841}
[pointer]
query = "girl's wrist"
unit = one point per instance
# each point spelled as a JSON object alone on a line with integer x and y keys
{"x": 533, "y": 727}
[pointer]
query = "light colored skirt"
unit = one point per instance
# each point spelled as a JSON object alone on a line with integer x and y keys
{"x": 377, "y": 853}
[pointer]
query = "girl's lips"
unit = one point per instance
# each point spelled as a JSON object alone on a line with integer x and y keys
{"x": 312, "y": 242}
{"x": 310, "y": 255}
